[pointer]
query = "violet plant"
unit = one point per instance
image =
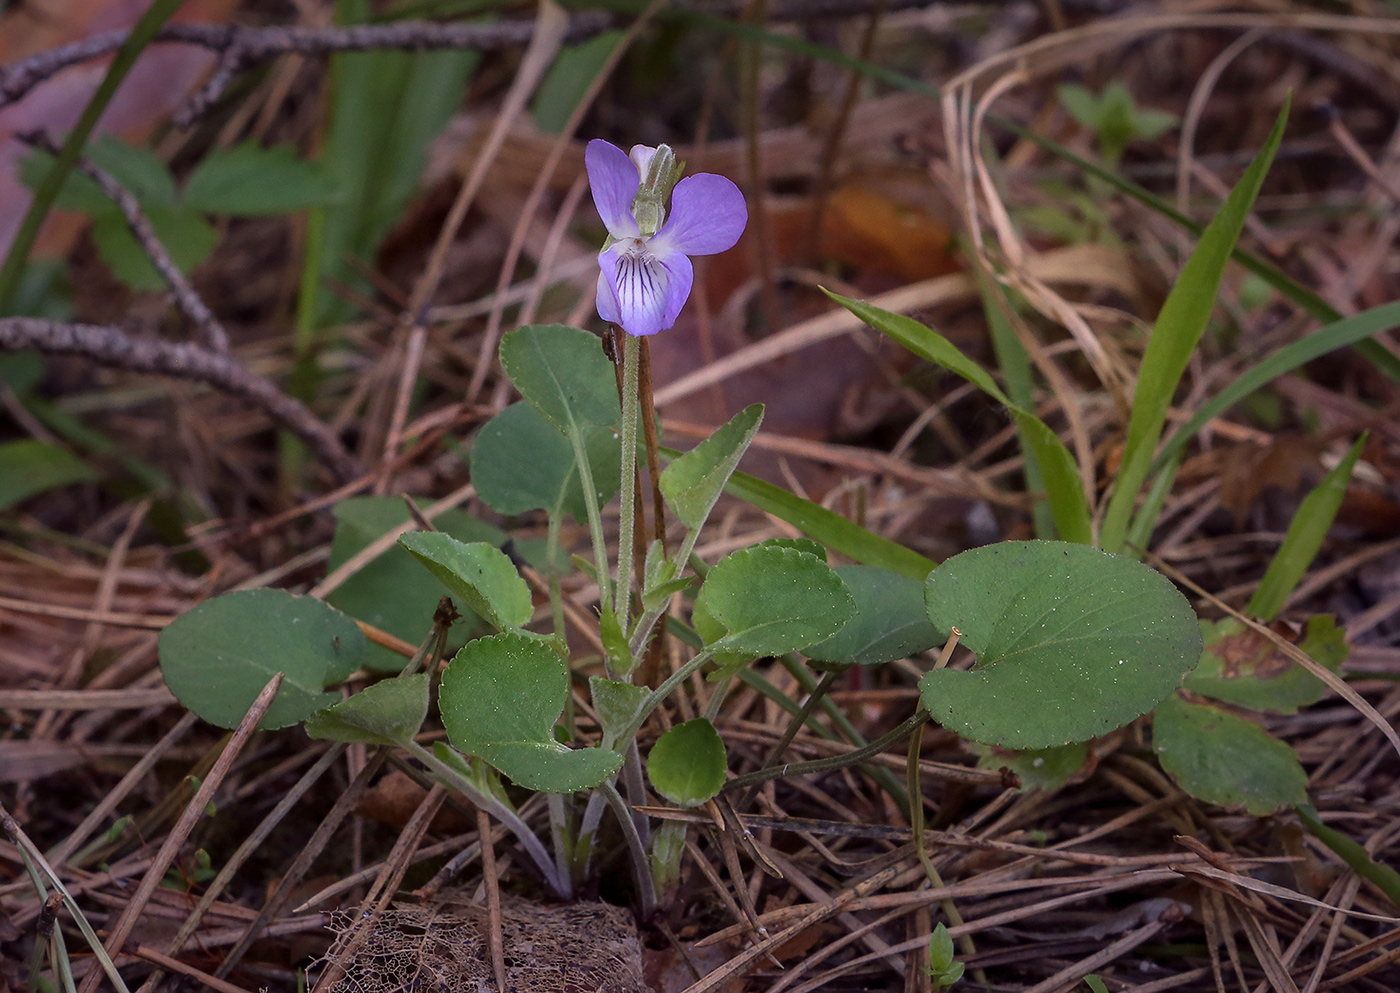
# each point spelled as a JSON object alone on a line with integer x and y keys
{"x": 1070, "y": 641}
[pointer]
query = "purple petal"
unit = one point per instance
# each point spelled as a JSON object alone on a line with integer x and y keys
{"x": 640, "y": 291}
{"x": 708, "y": 215}
{"x": 614, "y": 181}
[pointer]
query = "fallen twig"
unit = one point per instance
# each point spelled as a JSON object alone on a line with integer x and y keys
{"x": 112, "y": 347}
{"x": 186, "y": 298}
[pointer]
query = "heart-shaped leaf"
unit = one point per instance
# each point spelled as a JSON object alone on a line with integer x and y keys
{"x": 1220, "y": 758}
{"x": 890, "y": 621}
{"x": 770, "y": 600}
{"x": 500, "y": 698}
{"x": 688, "y": 762}
{"x": 217, "y": 657}
{"x": 521, "y": 462}
{"x": 390, "y": 712}
{"x": 563, "y": 373}
{"x": 1071, "y": 642}
{"x": 693, "y": 482}
{"x": 480, "y": 575}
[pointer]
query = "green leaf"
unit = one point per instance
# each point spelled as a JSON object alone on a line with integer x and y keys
{"x": 1179, "y": 325}
{"x": 563, "y": 373}
{"x": 687, "y": 763}
{"x": 1063, "y": 487}
{"x": 520, "y": 462}
{"x": 940, "y": 950}
{"x": 1038, "y": 768}
{"x": 395, "y": 593}
{"x": 218, "y": 656}
{"x": 29, "y": 467}
{"x": 617, "y": 705}
{"x": 1226, "y": 760}
{"x": 78, "y": 191}
{"x": 186, "y": 236}
{"x": 812, "y": 548}
{"x": 390, "y": 712}
{"x": 1080, "y": 104}
{"x": 1242, "y": 667}
{"x": 247, "y": 180}
{"x": 614, "y": 641}
{"x": 1070, "y": 642}
{"x": 890, "y": 621}
{"x": 1015, "y": 366}
{"x": 1305, "y": 534}
{"x": 477, "y": 574}
{"x": 829, "y": 528}
{"x": 771, "y": 600}
{"x": 1353, "y": 854}
{"x": 573, "y": 71}
{"x": 500, "y": 698}
{"x": 693, "y": 482}
{"x": 1338, "y": 334}
{"x": 1095, "y": 984}
{"x": 139, "y": 170}
{"x": 386, "y": 109}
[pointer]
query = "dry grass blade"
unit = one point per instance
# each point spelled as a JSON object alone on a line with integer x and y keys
{"x": 1277, "y": 892}
{"x": 194, "y": 810}
{"x": 1066, "y": 979}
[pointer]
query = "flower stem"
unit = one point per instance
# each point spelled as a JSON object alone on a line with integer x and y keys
{"x": 627, "y": 519}
{"x": 641, "y": 865}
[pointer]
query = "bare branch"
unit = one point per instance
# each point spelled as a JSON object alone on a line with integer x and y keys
{"x": 111, "y": 347}
{"x": 188, "y": 300}
{"x": 240, "y": 46}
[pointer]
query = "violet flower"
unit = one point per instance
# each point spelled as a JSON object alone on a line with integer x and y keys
{"x": 646, "y": 273}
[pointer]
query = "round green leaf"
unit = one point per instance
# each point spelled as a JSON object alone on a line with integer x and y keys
{"x": 688, "y": 762}
{"x": 770, "y": 600}
{"x": 479, "y": 574}
{"x": 1223, "y": 759}
{"x": 890, "y": 621}
{"x": 217, "y": 657}
{"x": 563, "y": 373}
{"x": 521, "y": 462}
{"x": 1070, "y": 642}
{"x": 500, "y": 697}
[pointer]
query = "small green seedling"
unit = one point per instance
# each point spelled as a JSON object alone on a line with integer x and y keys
{"x": 943, "y": 969}
{"x": 1114, "y": 118}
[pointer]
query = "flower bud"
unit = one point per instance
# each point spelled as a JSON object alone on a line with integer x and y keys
{"x": 659, "y": 172}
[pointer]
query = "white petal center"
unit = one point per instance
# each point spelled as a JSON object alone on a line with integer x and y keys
{"x": 641, "y": 281}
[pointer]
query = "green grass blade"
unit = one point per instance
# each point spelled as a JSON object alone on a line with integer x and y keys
{"x": 1302, "y": 296}
{"x": 1305, "y": 534}
{"x": 1175, "y": 335}
{"x": 1339, "y": 334}
{"x": 1015, "y": 367}
{"x": 12, "y": 272}
{"x": 1063, "y": 487}
{"x": 830, "y": 528}
{"x": 1353, "y": 854}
